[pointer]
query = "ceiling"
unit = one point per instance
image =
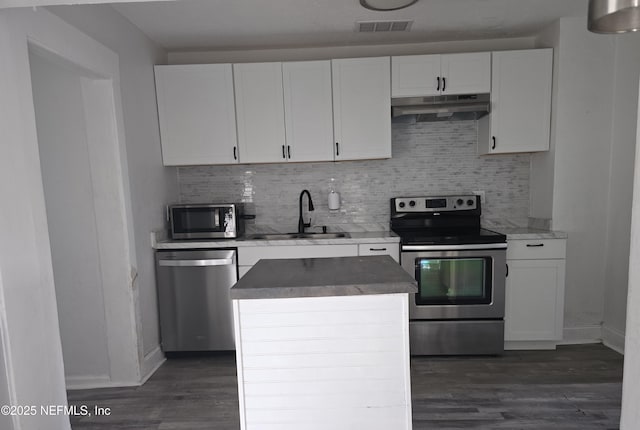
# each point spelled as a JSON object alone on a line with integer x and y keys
{"x": 253, "y": 24}
{"x": 191, "y": 25}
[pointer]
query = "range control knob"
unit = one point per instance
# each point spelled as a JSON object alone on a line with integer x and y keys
{"x": 401, "y": 204}
{"x": 470, "y": 202}
{"x": 412, "y": 203}
{"x": 459, "y": 202}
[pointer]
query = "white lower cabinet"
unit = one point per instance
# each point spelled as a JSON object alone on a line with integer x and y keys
{"x": 249, "y": 255}
{"x": 534, "y": 306}
{"x": 381, "y": 248}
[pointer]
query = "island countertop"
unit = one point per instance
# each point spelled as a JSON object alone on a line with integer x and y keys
{"x": 322, "y": 277}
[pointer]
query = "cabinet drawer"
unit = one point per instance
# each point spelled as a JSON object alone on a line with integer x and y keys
{"x": 536, "y": 249}
{"x": 392, "y": 249}
{"x": 248, "y": 256}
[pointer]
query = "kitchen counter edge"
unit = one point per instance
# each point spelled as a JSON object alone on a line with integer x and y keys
{"x": 356, "y": 238}
{"x": 523, "y": 233}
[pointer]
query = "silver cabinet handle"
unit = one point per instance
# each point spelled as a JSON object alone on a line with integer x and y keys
{"x": 192, "y": 263}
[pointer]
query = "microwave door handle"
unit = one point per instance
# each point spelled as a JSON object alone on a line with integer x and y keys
{"x": 216, "y": 217}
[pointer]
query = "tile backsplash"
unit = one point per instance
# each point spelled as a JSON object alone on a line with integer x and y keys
{"x": 428, "y": 159}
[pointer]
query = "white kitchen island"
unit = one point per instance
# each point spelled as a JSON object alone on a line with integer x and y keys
{"x": 323, "y": 343}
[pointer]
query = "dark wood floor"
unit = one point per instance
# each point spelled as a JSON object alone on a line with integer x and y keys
{"x": 575, "y": 387}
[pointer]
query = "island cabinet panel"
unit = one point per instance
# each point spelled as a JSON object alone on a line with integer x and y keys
{"x": 324, "y": 362}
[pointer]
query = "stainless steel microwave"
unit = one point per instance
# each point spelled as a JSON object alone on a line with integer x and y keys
{"x": 206, "y": 221}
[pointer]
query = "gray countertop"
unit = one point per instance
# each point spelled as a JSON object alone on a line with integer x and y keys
{"x": 322, "y": 277}
{"x": 359, "y": 237}
{"x": 515, "y": 233}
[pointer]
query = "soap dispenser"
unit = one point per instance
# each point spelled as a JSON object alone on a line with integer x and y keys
{"x": 334, "y": 196}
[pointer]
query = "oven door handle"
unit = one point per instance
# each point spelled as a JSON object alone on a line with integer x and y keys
{"x": 454, "y": 247}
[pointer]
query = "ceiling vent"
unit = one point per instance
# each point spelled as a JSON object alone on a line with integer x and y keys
{"x": 383, "y": 26}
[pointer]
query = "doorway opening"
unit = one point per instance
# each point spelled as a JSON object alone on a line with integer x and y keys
{"x": 82, "y": 182}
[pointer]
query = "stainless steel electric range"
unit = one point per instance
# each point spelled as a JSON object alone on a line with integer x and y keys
{"x": 460, "y": 269}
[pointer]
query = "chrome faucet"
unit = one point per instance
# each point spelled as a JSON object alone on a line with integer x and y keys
{"x": 301, "y": 224}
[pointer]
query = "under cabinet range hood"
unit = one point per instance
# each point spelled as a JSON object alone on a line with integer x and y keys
{"x": 442, "y": 108}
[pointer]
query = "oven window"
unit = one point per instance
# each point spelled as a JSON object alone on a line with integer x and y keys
{"x": 453, "y": 281}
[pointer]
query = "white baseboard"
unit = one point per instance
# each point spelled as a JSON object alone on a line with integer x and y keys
{"x": 151, "y": 362}
{"x": 529, "y": 345}
{"x": 90, "y": 382}
{"x": 578, "y": 335}
{"x": 613, "y": 339}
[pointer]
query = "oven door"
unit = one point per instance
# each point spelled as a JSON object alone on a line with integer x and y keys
{"x": 456, "y": 281}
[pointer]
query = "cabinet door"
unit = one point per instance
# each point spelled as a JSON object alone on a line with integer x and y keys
{"x": 260, "y": 112}
{"x": 197, "y": 114}
{"x": 250, "y": 255}
{"x": 362, "y": 108}
{"x": 308, "y": 110}
{"x": 520, "y": 103}
{"x": 466, "y": 73}
{"x": 383, "y": 248}
{"x": 415, "y": 76}
{"x": 534, "y": 306}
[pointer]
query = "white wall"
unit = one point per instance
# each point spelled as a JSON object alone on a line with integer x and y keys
{"x": 327, "y": 53}
{"x": 6, "y": 421}
{"x": 29, "y": 315}
{"x": 68, "y": 189}
{"x": 623, "y": 143}
{"x": 630, "y": 419}
{"x": 151, "y": 184}
{"x": 592, "y": 147}
{"x": 541, "y": 176}
{"x": 579, "y": 167}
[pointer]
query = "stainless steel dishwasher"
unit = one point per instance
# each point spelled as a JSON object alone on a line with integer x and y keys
{"x": 194, "y": 299}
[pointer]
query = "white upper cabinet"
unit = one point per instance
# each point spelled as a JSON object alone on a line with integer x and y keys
{"x": 415, "y": 75}
{"x": 520, "y": 103}
{"x": 433, "y": 75}
{"x": 197, "y": 114}
{"x": 308, "y": 110}
{"x": 260, "y": 112}
{"x": 362, "y": 108}
{"x": 466, "y": 73}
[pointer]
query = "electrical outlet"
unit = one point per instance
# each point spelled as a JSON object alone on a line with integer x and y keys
{"x": 483, "y": 199}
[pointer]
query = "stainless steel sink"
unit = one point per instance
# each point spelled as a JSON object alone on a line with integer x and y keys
{"x": 288, "y": 236}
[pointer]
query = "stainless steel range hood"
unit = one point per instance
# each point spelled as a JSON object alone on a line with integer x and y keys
{"x": 442, "y": 108}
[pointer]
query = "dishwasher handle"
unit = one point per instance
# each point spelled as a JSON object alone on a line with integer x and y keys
{"x": 197, "y": 263}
